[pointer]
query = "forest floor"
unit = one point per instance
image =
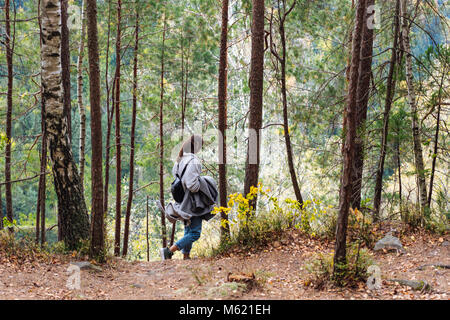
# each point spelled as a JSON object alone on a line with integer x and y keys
{"x": 279, "y": 269}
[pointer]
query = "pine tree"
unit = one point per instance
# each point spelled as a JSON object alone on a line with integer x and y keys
{"x": 97, "y": 223}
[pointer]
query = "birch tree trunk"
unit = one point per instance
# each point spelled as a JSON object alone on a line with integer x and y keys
{"x": 417, "y": 144}
{"x": 72, "y": 212}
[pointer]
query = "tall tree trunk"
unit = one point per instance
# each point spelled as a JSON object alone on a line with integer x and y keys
{"x": 40, "y": 206}
{"x": 43, "y": 177}
{"x": 282, "y": 59}
{"x": 186, "y": 85}
{"x": 132, "y": 138}
{"x": 365, "y": 72}
{"x": 256, "y": 98}
{"x": 222, "y": 96}
{"x": 81, "y": 107}
{"x": 417, "y": 143}
{"x": 182, "y": 85}
{"x": 65, "y": 66}
{"x": 109, "y": 118}
{"x": 40, "y": 222}
{"x": 399, "y": 174}
{"x": 72, "y": 212}
{"x": 97, "y": 224}
{"x": 436, "y": 139}
{"x": 161, "y": 139}
{"x": 9, "y": 43}
{"x": 390, "y": 90}
{"x": 435, "y": 150}
{"x": 38, "y": 214}
{"x": 146, "y": 231}
{"x": 349, "y": 147}
{"x": 118, "y": 146}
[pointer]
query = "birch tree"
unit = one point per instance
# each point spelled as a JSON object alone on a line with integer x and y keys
{"x": 72, "y": 212}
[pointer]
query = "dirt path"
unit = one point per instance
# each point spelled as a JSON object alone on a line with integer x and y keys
{"x": 279, "y": 271}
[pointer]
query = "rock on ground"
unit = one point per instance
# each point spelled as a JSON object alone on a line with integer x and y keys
{"x": 389, "y": 242}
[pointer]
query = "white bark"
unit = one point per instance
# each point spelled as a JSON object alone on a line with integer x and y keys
{"x": 72, "y": 212}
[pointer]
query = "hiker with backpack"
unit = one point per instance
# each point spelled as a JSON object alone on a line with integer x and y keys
{"x": 195, "y": 197}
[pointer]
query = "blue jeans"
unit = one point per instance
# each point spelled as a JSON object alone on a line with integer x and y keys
{"x": 191, "y": 233}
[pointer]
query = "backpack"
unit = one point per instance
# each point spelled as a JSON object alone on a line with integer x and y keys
{"x": 176, "y": 188}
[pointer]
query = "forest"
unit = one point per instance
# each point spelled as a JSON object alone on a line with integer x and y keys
{"x": 324, "y": 124}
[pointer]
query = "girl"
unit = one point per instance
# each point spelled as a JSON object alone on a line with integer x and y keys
{"x": 193, "y": 183}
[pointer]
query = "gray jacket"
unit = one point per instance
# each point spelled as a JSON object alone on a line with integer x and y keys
{"x": 200, "y": 195}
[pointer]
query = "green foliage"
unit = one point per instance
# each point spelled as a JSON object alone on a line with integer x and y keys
{"x": 9, "y": 224}
{"x": 250, "y": 227}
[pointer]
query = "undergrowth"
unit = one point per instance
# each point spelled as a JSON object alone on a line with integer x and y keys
{"x": 250, "y": 228}
{"x": 320, "y": 269}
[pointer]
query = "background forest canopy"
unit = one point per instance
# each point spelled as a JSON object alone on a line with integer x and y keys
{"x": 177, "y": 73}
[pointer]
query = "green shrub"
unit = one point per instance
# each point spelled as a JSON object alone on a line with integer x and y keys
{"x": 249, "y": 228}
{"x": 320, "y": 269}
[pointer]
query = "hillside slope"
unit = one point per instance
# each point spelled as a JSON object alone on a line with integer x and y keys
{"x": 279, "y": 271}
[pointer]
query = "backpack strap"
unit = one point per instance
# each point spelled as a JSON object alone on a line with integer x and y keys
{"x": 184, "y": 169}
